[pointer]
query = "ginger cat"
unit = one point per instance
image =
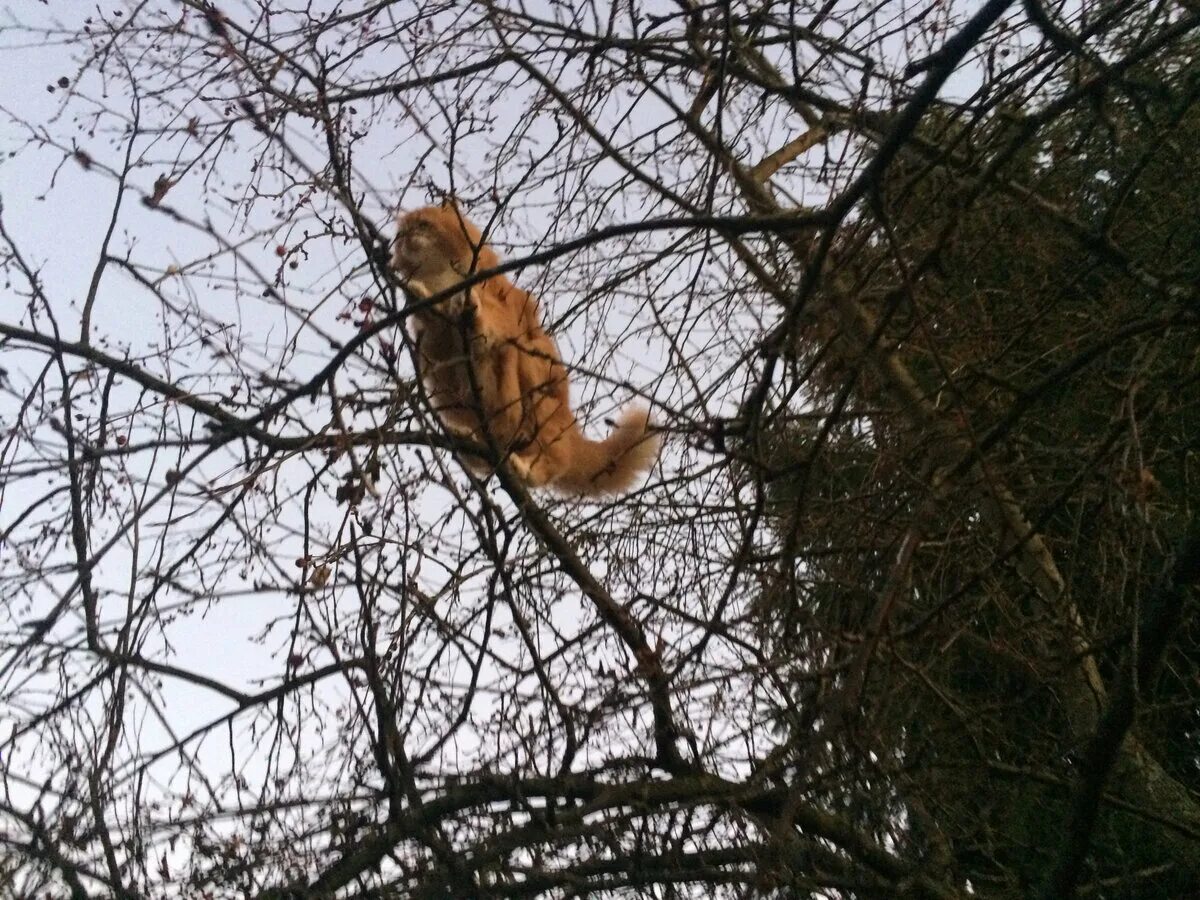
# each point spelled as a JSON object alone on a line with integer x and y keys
{"x": 495, "y": 376}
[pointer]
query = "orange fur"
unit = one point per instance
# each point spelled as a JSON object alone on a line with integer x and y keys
{"x": 495, "y": 376}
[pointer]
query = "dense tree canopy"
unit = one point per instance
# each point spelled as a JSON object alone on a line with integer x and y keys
{"x": 907, "y": 606}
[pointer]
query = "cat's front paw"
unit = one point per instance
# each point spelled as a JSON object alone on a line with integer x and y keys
{"x": 520, "y": 468}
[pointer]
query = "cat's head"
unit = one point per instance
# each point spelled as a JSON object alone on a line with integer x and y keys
{"x": 435, "y": 238}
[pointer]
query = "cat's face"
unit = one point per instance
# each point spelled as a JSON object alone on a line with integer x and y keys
{"x": 417, "y": 247}
{"x": 432, "y": 239}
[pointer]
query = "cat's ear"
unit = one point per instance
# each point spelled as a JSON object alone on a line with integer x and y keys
{"x": 448, "y": 202}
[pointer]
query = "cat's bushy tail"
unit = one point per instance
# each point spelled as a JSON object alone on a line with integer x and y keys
{"x": 610, "y": 466}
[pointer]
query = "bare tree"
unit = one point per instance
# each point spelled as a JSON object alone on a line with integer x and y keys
{"x": 907, "y": 606}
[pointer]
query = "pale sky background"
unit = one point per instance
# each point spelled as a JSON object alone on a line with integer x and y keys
{"x": 58, "y": 212}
